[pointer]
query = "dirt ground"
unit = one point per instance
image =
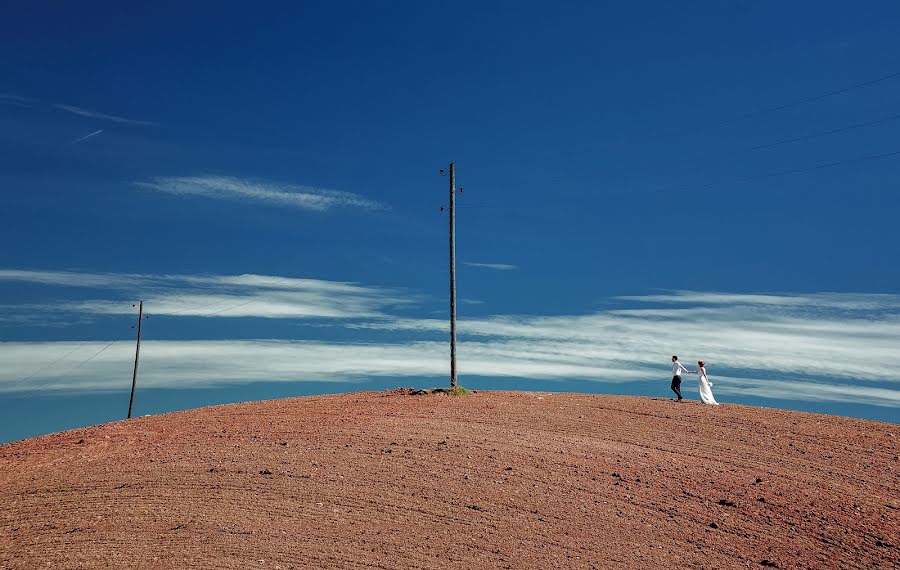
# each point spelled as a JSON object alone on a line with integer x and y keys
{"x": 492, "y": 480}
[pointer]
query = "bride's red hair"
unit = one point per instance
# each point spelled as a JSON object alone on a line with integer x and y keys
{"x": 700, "y": 362}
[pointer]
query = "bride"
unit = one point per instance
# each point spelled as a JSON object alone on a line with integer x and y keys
{"x": 706, "y": 395}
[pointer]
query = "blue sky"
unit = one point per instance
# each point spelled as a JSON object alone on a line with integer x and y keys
{"x": 716, "y": 180}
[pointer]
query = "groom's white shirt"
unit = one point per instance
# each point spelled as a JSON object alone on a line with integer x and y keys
{"x": 677, "y": 368}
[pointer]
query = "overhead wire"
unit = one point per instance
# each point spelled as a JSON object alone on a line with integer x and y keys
{"x": 753, "y": 148}
{"x": 251, "y": 300}
{"x": 812, "y": 99}
{"x": 711, "y": 124}
{"x": 179, "y": 311}
{"x": 20, "y": 381}
{"x": 797, "y": 170}
{"x": 813, "y": 135}
{"x": 148, "y": 313}
{"x": 744, "y": 116}
{"x": 77, "y": 366}
{"x": 699, "y": 187}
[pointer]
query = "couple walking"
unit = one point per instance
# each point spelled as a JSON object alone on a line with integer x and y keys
{"x": 706, "y": 395}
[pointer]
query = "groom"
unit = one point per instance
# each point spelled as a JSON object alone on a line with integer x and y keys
{"x": 677, "y": 368}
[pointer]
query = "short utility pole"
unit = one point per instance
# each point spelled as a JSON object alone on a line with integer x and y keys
{"x": 137, "y": 354}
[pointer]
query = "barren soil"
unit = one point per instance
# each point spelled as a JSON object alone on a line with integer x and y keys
{"x": 492, "y": 480}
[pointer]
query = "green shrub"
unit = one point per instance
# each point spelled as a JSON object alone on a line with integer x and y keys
{"x": 454, "y": 391}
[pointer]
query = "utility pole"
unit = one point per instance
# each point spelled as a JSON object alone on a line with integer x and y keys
{"x": 137, "y": 353}
{"x": 452, "y": 277}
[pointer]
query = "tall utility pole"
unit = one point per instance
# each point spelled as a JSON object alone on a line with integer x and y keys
{"x": 137, "y": 353}
{"x": 452, "y": 277}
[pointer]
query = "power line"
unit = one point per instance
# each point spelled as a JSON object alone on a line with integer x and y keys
{"x": 820, "y": 166}
{"x": 281, "y": 280}
{"x": 779, "y": 107}
{"x": 705, "y": 186}
{"x": 47, "y": 366}
{"x": 77, "y": 366}
{"x": 781, "y": 142}
{"x": 82, "y": 363}
{"x": 179, "y": 311}
{"x": 790, "y": 140}
{"x": 806, "y": 137}
{"x": 813, "y": 99}
{"x": 228, "y": 308}
{"x": 788, "y": 172}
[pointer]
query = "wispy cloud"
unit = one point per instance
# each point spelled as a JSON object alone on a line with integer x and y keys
{"x": 216, "y": 295}
{"x": 813, "y": 347}
{"x": 230, "y": 188}
{"x": 495, "y": 266}
{"x": 781, "y": 340}
{"x": 87, "y": 136}
{"x": 808, "y": 391}
{"x": 178, "y": 364}
{"x": 103, "y": 116}
{"x": 78, "y": 278}
{"x": 74, "y": 366}
{"x": 848, "y": 301}
{"x": 19, "y": 101}
{"x": 15, "y": 100}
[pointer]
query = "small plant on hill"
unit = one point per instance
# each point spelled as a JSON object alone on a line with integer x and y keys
{"x": 454, "y": 391}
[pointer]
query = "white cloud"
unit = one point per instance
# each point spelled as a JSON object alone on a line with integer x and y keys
{"x": 846, "y": 301}
{"x": 15, "y": 100}
{"x": 230, "y": 188}
{"x": 216, "y": 295}
{"x": 819, "y": 343}
{"x": 184, "y": 364}
{"x": 807, "y": 391}
{"x": 819, "y": 347}
{"x": 495, "y": 266}
{"x": 65, "y": 366}
{"x": 103, "y": 116}
{"x": 75, "y": 278}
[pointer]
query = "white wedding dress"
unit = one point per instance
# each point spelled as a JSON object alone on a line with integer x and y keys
{"x": 706, "y": 395}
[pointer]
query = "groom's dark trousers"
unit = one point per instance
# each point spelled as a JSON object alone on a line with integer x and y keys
{"x": 676, "y": 386}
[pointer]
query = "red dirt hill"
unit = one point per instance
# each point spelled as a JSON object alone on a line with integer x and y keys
{"x": 492, "y": 480}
